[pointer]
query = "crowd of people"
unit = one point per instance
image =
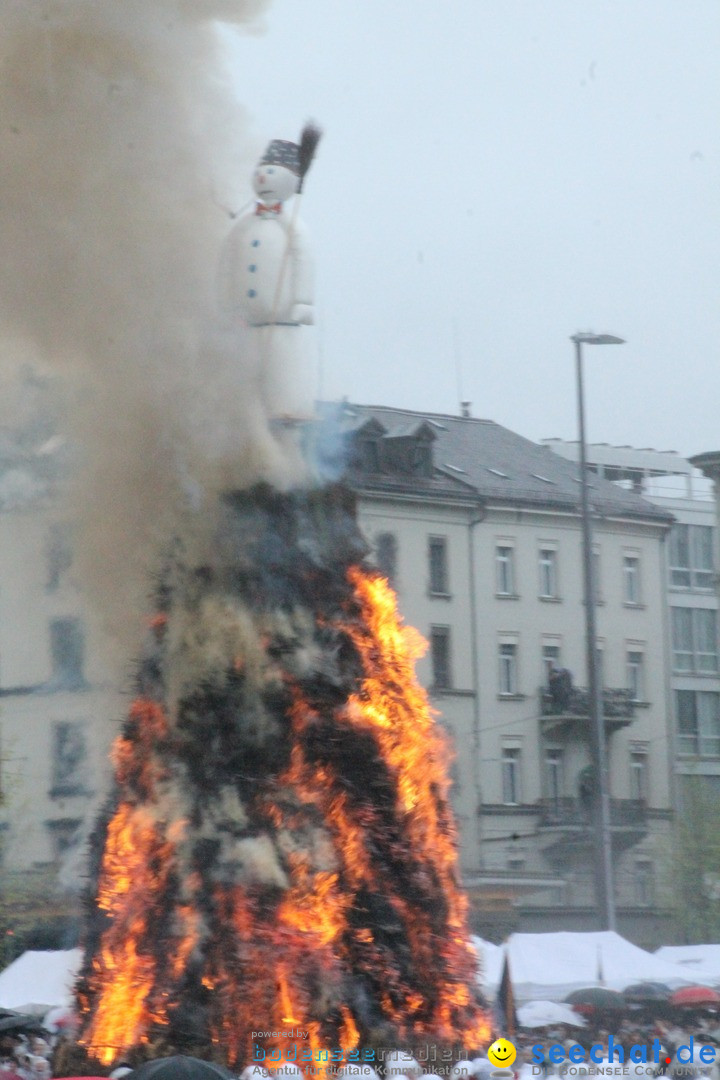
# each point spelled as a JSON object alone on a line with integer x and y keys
{"x": 676, "y": 1044}
{"x": 25, "y": 1057}
{"x": 672, "y": 1050}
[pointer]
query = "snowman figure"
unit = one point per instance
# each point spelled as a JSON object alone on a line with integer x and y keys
{"x": 265, "y": 283}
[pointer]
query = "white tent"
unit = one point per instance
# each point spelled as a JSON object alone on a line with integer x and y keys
{"x": 538, "y": 1014}
{"x": 37, "y": 981}
{"x": 701, "y": 962}
{"x": 550, "y": 966}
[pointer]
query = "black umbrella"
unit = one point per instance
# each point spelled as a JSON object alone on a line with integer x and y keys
{"x": 180, "y": 1068}
{"x": 646, "y": 993}
{"x": 595, "y": 998}
{"x": 20, "y": 1022}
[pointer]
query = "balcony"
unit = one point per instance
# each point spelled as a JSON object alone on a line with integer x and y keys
{"x": 571, "y": 819}
{"x": 573, "y": 716}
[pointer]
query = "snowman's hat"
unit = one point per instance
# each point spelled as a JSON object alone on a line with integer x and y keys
{"x": 282, "y": 152}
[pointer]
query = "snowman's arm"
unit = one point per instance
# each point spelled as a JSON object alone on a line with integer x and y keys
{"x": 302, "y": 275}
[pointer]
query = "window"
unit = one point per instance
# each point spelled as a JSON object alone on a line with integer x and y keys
{"x": 705, "y": 639}
{"x": 368, "y": 453}
{"x": 67, "y": 648}
{"x": 69, "y": 759}
{"x": 636, "y": 674}
{"x": 679, "y": 556}
{"x": 698, "y": 722}
{"x": 690, "y": 554}
{"x": 694, "y": 639}
{"x": 511, "y": 775}
{"x": 64, "y": 836}
{"x": 59, "y": 554}
{"x": 548, "y": 573}
{"x": 701, "y": 550}
{"x": 550, "y": 658}
{"x": 631, "y": 576}
{"x": 508, "y": 668}
{"x": 682, "y": 639}
{"x": 554, "y": 780}
{"x": 438, "y": 558}
{"x": 421, "y": 458}
{"x": 638, "y": 775}
{"x": 516, "y": 866}
{"x": 440, "y": 657}
{"x": 505, "y": 571}
{"x": 386, "y": 555}
{"x": 644, "y": 879}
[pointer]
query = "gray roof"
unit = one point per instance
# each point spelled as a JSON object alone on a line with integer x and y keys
{"x": 505, "y": 467}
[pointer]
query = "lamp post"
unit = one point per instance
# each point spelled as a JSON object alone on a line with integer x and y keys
{"x": 603, "y": 840}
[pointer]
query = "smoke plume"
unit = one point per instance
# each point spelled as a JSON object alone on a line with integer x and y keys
{"x": 120, "y": 145}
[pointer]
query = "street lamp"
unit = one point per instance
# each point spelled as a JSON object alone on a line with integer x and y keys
{"x": 603, "y": 840}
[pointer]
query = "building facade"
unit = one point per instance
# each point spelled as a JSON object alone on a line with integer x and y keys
{"x": 59, "y": 704}
{"x": 690, "y": 574}
{"x": 490, "y": 570}
{"x": 479, "y": 531}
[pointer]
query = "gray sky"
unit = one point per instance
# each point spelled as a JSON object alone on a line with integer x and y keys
{"x": 496, "y": 174}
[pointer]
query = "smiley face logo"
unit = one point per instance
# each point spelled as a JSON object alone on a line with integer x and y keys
{"x": 502, "y": 1053}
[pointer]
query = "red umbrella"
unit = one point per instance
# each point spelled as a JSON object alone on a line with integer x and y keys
{"x": 695, "y": 997}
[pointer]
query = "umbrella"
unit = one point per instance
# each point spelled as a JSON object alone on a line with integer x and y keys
{"x": 646, "y": 992}
{"x": 20, "y": 1021}
{"x": 538, "y": 1014}
{"x": 180, "y": 1067}
{"x": 595, "y": 998}
{"x": 692, "y": 997}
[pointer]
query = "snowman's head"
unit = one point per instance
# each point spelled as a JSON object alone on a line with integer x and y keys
{"x": 274, "y": 183}
{"x": 277, "y": 176}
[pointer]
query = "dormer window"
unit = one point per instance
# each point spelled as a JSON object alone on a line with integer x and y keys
{"x": 364, "y": 447}
{"x": 409, "y": 450}
{"x": 369, "y": 455}
{"x": 422, "y": 459}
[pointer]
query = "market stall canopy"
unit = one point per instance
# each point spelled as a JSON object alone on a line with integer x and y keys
{"x": 37, "y": 981}
{"x": 550, "y": 966}
{"x": 537, "y": 1014}
{"x": 702, "y": 962}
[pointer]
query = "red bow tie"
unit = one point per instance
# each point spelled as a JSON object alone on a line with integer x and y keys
{"x": 261, "y": 208}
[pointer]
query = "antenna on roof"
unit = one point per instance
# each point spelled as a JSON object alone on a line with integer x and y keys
{"x": 465, "y": 409}
{"x": 458, "y": 368}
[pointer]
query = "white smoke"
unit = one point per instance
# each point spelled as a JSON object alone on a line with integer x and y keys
{"x": 120, "y": 142}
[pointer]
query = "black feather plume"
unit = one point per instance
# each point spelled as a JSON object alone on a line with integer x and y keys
{"x": 311, "y": 135}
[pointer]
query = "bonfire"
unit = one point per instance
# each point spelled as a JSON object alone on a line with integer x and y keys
{"x": 278, "y": 865}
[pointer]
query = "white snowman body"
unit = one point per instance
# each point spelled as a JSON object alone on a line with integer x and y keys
{"x": 266, "y": 293}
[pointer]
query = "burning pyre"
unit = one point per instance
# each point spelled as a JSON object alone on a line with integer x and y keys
{"x": 279, "y": 852}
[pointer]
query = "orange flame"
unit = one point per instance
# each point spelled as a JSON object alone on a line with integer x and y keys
{"x": 270, "y": 957}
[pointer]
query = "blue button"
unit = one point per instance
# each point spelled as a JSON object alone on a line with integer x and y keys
{"x": 255, "y": 243}
{"x": 252, "y": 268}
{"x": 251, "y": 292}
